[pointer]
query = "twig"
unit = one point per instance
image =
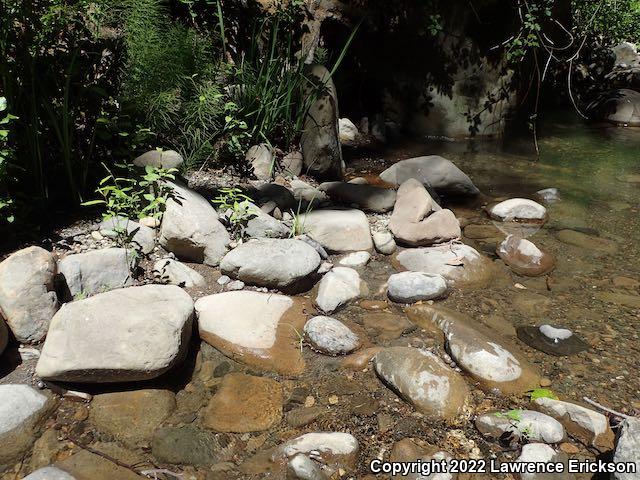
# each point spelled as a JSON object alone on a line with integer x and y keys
{"x": 605, "y": 409}
{"x": 154, "y": 473}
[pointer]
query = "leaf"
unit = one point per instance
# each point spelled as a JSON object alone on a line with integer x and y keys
{"x": 542, "y": 393}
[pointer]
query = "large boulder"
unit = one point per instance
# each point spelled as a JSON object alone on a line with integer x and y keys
{"x": 134, "y": 333}
{"x": 288, "y": 264}
{"x": 627, "y": 448}
{"x": 160, "y": 159}
{"x": 27, "y": 297}
{"x": 96, "y": 271}
{"x": 338, "y": 231}
{"x": 191, "y": 229}
{"x": 366, "y": 197}
{"x": 337, "y": 288}
{"x": 423, "y": 380}
{"x": 320, "y": 142}
{"x": 619, "y": 107}
{"x": 140, "y": 237}
{"x": 524, "y": 258}
{"x": 432, "y": 171}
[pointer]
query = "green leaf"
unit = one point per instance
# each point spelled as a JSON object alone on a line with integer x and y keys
{"x": 542, "y": 393}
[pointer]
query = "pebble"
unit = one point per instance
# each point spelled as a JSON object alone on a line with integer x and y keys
{"x": 235, "y": 285}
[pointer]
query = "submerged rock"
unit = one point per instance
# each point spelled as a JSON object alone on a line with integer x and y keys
{"x": 554, "y": 341}
{"x": 85, "y": 464}
{"x": 172, "y": 272}
{"x": 549, "y": 195}
{"x": 338, "y": 231}
{"x": 338, "y": 287}
{"x": 188, "y": 445}
{"x": 521, "y": 425}
{"x": 524, "y": 258}
{"x": 412, "y": 287}
{"x": 589, "y": 242}
{"x": 413, "y": 449}
{"x": 519, "y": 210}
{"x": 49, "y": 473}
{"x": 331, "y": 336}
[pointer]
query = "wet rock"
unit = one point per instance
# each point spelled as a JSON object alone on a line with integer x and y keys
{"x": 85, "y": 464}
{"x": 625, "y": 282}
{"x": 27, "y": 299}
{"x": 261, "y": 159}
{"x": 588, "y": 242}
{"x": 292, "y": 163}
{"x": 365, "y": 197}
{"x": 423, "y": 380}
{"x": 287, "y": 264}
{"x": 141, "y": 237}
{"x": 524, "y": 258}
{"x": 188, "y": 445}
{"x": 549, "y": 195}
{"x": 159, "y": 158}
{"x": 630, "y": 301}
{"x": 348, "y": 130}
{"x": 131, "y": 417}
{"x": 482, "y": 232}
{"x": 384, "y": 243}
{"x": 413, "y": 449}
{"x": 172, "y": 272}
{"x": 244, "y": 403}
{"x": 619, "y": 107}
{"x": 22, "y": 411}
{"x": 303, "y": 192}
{"x": 338, "y": 287}
{"x": 587, "y": 425}
{"x": 552, "y": 340}
{"x": 627, "y": 448}
{"x": 387, "y": 326}
{"x": 302, "y": 467}
{"x": 540, "y": 453}
{"x": 257, "y": 329}
{"x": 148, "y": 333}
{"x": 191, "y": 229}
{"x": 331, "y": 336}
{"x": 335, "y": 450}
{"x": 521, "y": 424}
{"x": 412, "y": 287}
{"x": 519, "y": 210}
{"x": 355, "y": 259}
{"x": 303, "y": 416}
{"x": 49, "y": 473}
{"x": 338, "y": 231}
{"x": 96, "y": 271}
{"x": 434, "y": 171}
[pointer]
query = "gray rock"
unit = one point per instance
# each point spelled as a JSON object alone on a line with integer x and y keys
{"x": 412, "y": 287}
{"x": 619, "y": 107}
{"x": 316, "y": 246}
{"x": 172, "y": 272}
{"x": 27, "y": 297}
{"x": 331, "y": 336}
{"x": 338, "y": 231}
{"x": 49, "y": 473}
{"x": 261, "y": 159}
{"x": 366, "y": 197}
{"x": 141, "y": 237}
{"x": 223, "y": 280}
{"x": 191, "y": 229}
{"x": 96, "y": 271}
{"x": 518, "y": 209}
{"x": 541, "y": 453}
{"x": 337, "y": 288}
{"x": 287, "y": 264}
{"x": 292, "y": 163}
{"x": 159, "y": 158}
{"x": 263, "y": 225}
{"x": 384, "y": 243}
{"x": 273, "y": 192}
{"x": 626, "y": 53}
{"x": 307, "y": 194}
{"x": 148, "y": 333}
{"x": 521, "y": 424}
{"x": 235, "y": 286}
{"x": 628, "y": 447}
{"x": 187, "y": 445}
{"x": 355, "y": 259}
{"x": 433, "y": 171}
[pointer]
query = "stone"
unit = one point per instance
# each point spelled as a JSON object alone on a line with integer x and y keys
{"x": 365, "y": 197}
{"x": 140, "y": 237}
{"x": 423, "y": 380}
{"x": 589, "y": 426}
{"x": 150, "y": 222}
{"x": 521, "y": 425}
{"x": 159, "y": 158}
{"x": 23, "y": 409}
{"x": 191, "y": 229}
{"x": 524, "y": 258}
{"x": 384, "y": 243}
{"x": 618, "y": 107}
{"x": 412, "y": 287}
{"x": 303, "y": 416}
{"x": 518, "y": 210}
{"x": 387, "y": 326}
{"x": 276, "y": 193}
{"x": 627, "y": 448}
{"x": 320, "y": 141}
{"x": 413, "y": 449}
{"x": 476, "y": 231}
{"x": 588, "y": 242}
{"x": 257, "y": 329}
{"x": 188, "y": 445}
{"x": 625, "y": 282}
{"x": 49, "y": 473}
{"x": 288, "y": 264}
{"x": 261, "y": 159}
{"x": 536, "y": 453}
{"x": 355, "y": 259}
{"x": 131, "y": 417}
{"x": 85, "y": 464}
{"x": 433, "y": 171}
{"x": 47, "y": 448}
{"x": 235, "y": 285}
{"x": 263, "y": 225}
{"x": 96, "y": 271}
{"x": 348, "y": 131}
{"x": 549, "y": 195}
{"x": 333, "y": 449}
{"x": 338, "y": 231}
{"x": 302, "y": 467}
{"x": 27, "y": 297}
{"x": 626, "y": 53}
{"x": 552, "y": 340}
{"x": 303, "y": 192}
{"x": 148, "y": 332}
{"x": 459, "y": 264}
{"x": 292, "y": 163}
{"x": 622, "y": 299}
{"x": 330, "y": 336}
{"x": 171, "y": 272}
{"x": 244, "y": 403}
{"x": 337, "y": 288}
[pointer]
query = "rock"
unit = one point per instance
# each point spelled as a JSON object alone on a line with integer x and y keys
{"x": 413, "y": 449}
{"x": 630, "y": 301}
{"x": 140, "y": 237}
{"x": 618, "y": 107}
{"x": 85, "y": 464}
{"x": 159, "y": 158}
{"x": 348, "y": 131}
{"x": 320, "y": 143}
{"x": 191, "y": 229}
{"x": 27, "y": 297}
{"x": 49, "y": 473}
{"x": 235, "y": 285}
{"x": 524, "y": 258}
{"x": 423, "y": 380}
{"x": 476, "y": 231}
{"x": 261, "y": 159}
{"x": 626, "y": 53}
{"x": 302, "y": 467}
{"x": 552, "y": 340}
{"x": 537, "y": 453}
{"x": 433, "y": 171}
{"x": 303, "y": 416}
{"x": 244, "y": 403}
{"x": 521, "y": 425}
{"x": 4, "y": 335}
{"x": 459, "y": 264}
{"x": 149, "y": 222}
{"x": 276, "y": 193}
{"x": 387, "y": 326}
{"x": 148, "y": 332}
{"x": 131, "y": 417}
{"x": 257, "y": 329}
{"x": 589, "y": 426}
{"x": 338, "y": 287}
{"x": 305, "y": 193}
{"x": 588, "y": 242}
{"x": 355, "y": 259}
{"x": 625, "y": 282}
{"x": 188, "y": 445}
{"x": 335, "y": 450}
{"x": 292, "y": 163}
{"x": 263, "y": 225}
{"x": 549, "y": 195}
{"x": 366, "y": 197}
{"x": 627, "y": 448}
{"x": 384, "y": 243}
{"x": 412, "y": 287}
{"x": 518, "y": 210}
{"x": 338, "y": 231}
{"x": 288, "y": 264}
{"x": 95, "y": 271}
{"x": 172, "y": 272}
{"x": 330, "y": 336}
{"x": 22, "y": 411}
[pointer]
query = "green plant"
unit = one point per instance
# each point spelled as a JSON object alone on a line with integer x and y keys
{"x": 6, "y": 152}
{"x": 236, "y": 208}
{"x": 542, "y": 393}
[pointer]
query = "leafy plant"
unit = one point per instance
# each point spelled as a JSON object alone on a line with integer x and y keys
{"x": 236, "y": 208}
{"x": 6, "y": 202}
{"x": 542, "y": 393}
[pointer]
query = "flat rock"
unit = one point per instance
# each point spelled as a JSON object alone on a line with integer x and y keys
{"x": 518, "y": 210}
{"x": 623, "y": 299}
{"x": 434, "y": 171}
{"x": 540, "y": 339}
{"x": 191, "y": 229}
{"x": 365, "y": 197}
{"x": 85, "y": 464}
{"x": 96, "y": 271}
{"x": 171, "y": 272}
{"x": 138, "y": 236}
{"x": 476, "y": 231}
{"x": 521, "y": 424}
{"x": 287, "y": 264}
{"x": 355, "y": 259}
{"x": 338, "y": 231}
{"x": 258, "y": 329}
{"x": 412, "y": 287}
{"x": 337, "y": 288}
{"x": 331, "y": 336}
{"x": 27, "y": 297}
{"x": 387, "y": 326}
{"x": 148, "y": 332}
{"x": 524, "y": 258}
{"x": 423, "y": 380}
{"x": 160, "y": 159}
{"x": 188, "y": 445}
{"x": 588, "y": 242}
{"x": 244, "y": 403}
{"x": 627, "y": 448}
{"x": 384, "y": 243}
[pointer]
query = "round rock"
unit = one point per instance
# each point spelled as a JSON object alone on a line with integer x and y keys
{"x": 529, "y": 424}
{"x": 412, "y": 287}
{"x": 331, "y": 336}
{"x": 338, "y": 287}
{"x": 524, "y": 258}
{"x": 519, "y": 209}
